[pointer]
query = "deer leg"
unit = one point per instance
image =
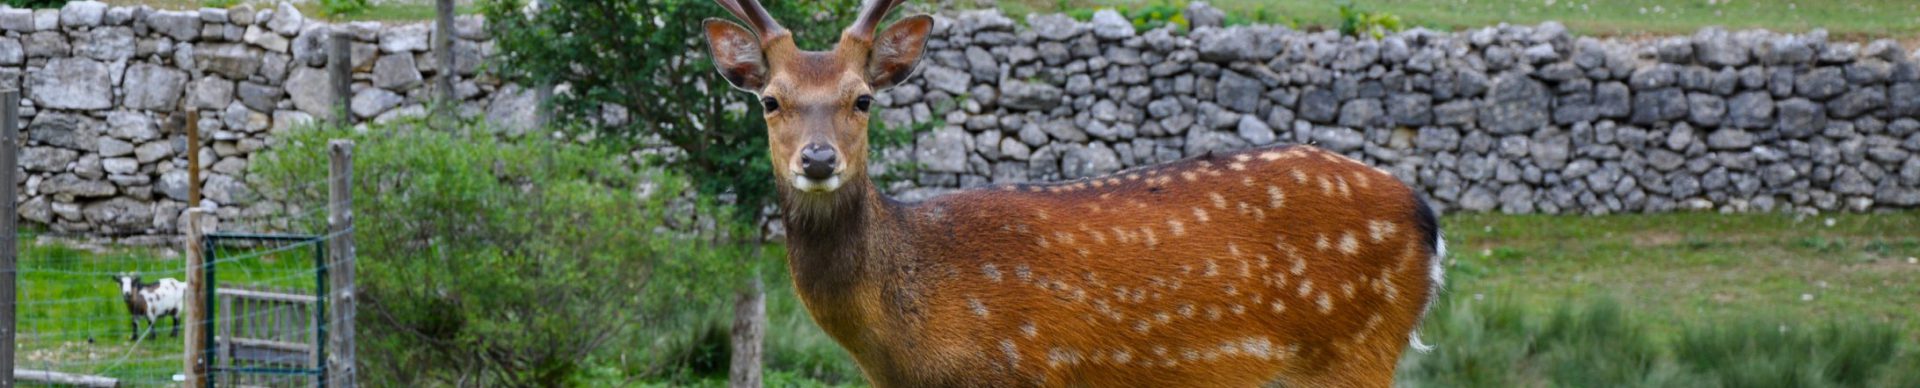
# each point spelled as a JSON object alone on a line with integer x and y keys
{"x": 176, "y": 325}
{"x": 134, "y": 334}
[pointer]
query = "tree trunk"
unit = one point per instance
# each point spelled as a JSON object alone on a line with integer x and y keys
{"x": 749, "y": 335}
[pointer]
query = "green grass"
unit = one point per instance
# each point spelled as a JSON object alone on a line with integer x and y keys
{"x": 1898, "y": 19}
{"x": 72, "y": 319}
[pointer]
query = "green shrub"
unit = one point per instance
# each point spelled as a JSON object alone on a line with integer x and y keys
{"x": 332, "y": 8}
{"x": 39, "y": 4}
{"x": 219, "y": 3}
{"x": 1355, "y": 21}
{"x": 502, "y": 263}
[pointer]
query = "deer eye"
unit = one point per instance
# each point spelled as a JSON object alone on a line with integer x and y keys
{"x": 863, "y": 103}
{"x": 770, "y": 104}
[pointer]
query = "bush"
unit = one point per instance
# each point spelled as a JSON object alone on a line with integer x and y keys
{"x": 496, "y": 263}
{"x": 1355, "y": 21}
{"x": 39, "y": 4}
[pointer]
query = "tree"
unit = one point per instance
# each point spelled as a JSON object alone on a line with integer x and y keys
{"x": 647, "y": 58}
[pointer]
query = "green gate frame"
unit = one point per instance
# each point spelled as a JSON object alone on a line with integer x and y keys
{"x": 207, "y": 303}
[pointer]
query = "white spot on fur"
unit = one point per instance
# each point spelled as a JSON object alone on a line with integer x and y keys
{"x": 979, "y": 309}
{"x": 1275, "y": 198}
{"x": 1381, "y": 229}
{"x": 1349, "y": 244}
{"x": 1306, "y": 287}
{"x": 1029, "y": 330}
{"x": 1219, "y": 202}
{"x": 1199, "y": 215}
{"x": 992, "y": 272}
{"x": 1013, "y": 354}
{"x": 1325, "y": 302}
{"x": 1176, "y": 227}
{"x": 1270, "y": 156}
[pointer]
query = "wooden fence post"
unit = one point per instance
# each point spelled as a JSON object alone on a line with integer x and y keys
{"x": 341, "y": 362}
{"x": 9, "y": 216}
{"x": 193, "y": 156}
{"x": 443, "y": 44}
{"x": 198, "y": 223}
{"x": 340, "y": 74}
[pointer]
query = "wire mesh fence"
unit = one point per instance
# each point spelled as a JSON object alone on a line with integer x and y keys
{"x": 76, "y": 317}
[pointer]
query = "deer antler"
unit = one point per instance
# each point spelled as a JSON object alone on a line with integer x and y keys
{"x": 756, "y": 17}
{"x": 871, "y": 11}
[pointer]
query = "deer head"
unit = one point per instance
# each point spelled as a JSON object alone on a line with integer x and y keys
{"x": 816, "y": 102}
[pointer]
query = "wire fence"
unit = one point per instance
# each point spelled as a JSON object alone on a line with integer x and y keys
{"x": 75, "y": 323}
{"x": 74, "y": 317}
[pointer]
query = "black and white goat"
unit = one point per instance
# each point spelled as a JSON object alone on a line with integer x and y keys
{"x": 150, "y": 301}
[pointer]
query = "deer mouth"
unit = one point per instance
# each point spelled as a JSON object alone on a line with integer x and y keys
{"x": 819, "y": 186}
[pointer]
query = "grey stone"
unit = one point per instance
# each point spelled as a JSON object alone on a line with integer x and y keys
{"x": 1753, "y": 109}
{"x": 110, "y": 147}
{"x": 1088, "y": 160}
{"x": 82, "y": 13}
{"x": 1729, "y": 139}
{"x": 1201, "y": 14}
{"x": 287, "y": 20}
{"x": 267, "y": 39}
{"x": 1800, "y": 118}
{"x": 1227, "y": 45}
{"x": 210, "y": 93}
{"x": 1705, "y": 109}
{"x": 947, "y": 79}
{"x": 1903, "y": 99}
{"x": 1857, "y": 102}
{"x": 373, "y": 101}
{"x": 1410, "y": 109}
{"x": 1821, "y": 83}
{"x": 1456, "y": 112}
{"x": 1338, "y": 139}
{"x": 1714, "y": 46}
{"x": 1029, "y": 95}
{"x": 1255, "y": 131}
{"x": 77, "y": 187}
{"x": 943, "y": 150}
{"x": 513, "y": 111}
{"x": 1516, "y": 103}
{"x": 1055, "y": 27}
{"x": 1239, "y": 93}
{"x": 105, "y": 43}
{"x": 310, "y": 47}
{"x": 1550, "y": 148}
{"x": 1612, "y": 100}
{"x": 1319, "y": 105}
{"x": 259, "y": 97}
{"x": 1477, "y": 199}
{"x": 1363, "y": 113}
{"x": 980, "y": 64}
{"x": 45, "y": 44}
{"x": 153, "y": 87}
{"x": 46, "y": 159}
{"x": 1108, "y": 24}
{"x": 225, "y": 190}
{"x": 71, "y": 83}
{"x": 311, "y": 92}
{"x": 396, "y": 72}
{"x": 182, "y": 26}
{"x": 232, "y": 60}
{"x": 11, "y": 53}
{"x": 16, "y": 19}
{"x": 1666, "y": 104}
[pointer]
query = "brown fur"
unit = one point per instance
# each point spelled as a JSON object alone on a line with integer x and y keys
{"x": 1288, "y": 265}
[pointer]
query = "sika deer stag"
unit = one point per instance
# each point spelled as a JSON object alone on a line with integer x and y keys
{"x": 1282, "y": 265}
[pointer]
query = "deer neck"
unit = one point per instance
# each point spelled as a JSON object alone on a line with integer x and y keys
{"x": 840, "y": 256}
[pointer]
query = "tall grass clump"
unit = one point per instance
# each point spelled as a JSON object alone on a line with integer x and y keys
{"x": 1596, "y": 342}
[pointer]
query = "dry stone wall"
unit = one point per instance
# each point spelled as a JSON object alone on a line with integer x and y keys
{"x": 105, "y": 88}
{"x": 1520, "y": 119}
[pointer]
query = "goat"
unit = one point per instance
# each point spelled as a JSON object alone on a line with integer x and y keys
{"x": 151, "y": 301}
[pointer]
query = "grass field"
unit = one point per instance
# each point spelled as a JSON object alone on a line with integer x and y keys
{"x": 1683, "y": 300}
{"x": 72, "y": 318}
{"x": 1899, "y": 19}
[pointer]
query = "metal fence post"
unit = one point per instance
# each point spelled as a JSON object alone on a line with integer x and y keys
{"x": 341, "y": 363}
{"x": 9, "y": 216}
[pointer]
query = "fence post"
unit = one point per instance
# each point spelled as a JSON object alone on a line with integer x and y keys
{"x": 340, "y": 74}
{"x": 9, "y": 216}
{"x": 443, "y": 44}
{"x": 193, "y": 156}
{"x": 198, "y": 223}
{"x": 341, "y": 368}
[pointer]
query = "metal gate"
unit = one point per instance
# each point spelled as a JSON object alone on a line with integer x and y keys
{"x": 260, "y": 334}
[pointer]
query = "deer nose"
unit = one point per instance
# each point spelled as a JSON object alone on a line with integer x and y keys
{"x": 818, "y": 160}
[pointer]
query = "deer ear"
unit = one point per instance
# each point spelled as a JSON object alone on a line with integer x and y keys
{"x": 897, "y": 50}
{"x": 736, "y": 53}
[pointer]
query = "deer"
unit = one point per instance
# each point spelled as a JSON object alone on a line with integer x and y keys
{"x": 150, "y": 302}
{"x": 1282, "y": 265}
